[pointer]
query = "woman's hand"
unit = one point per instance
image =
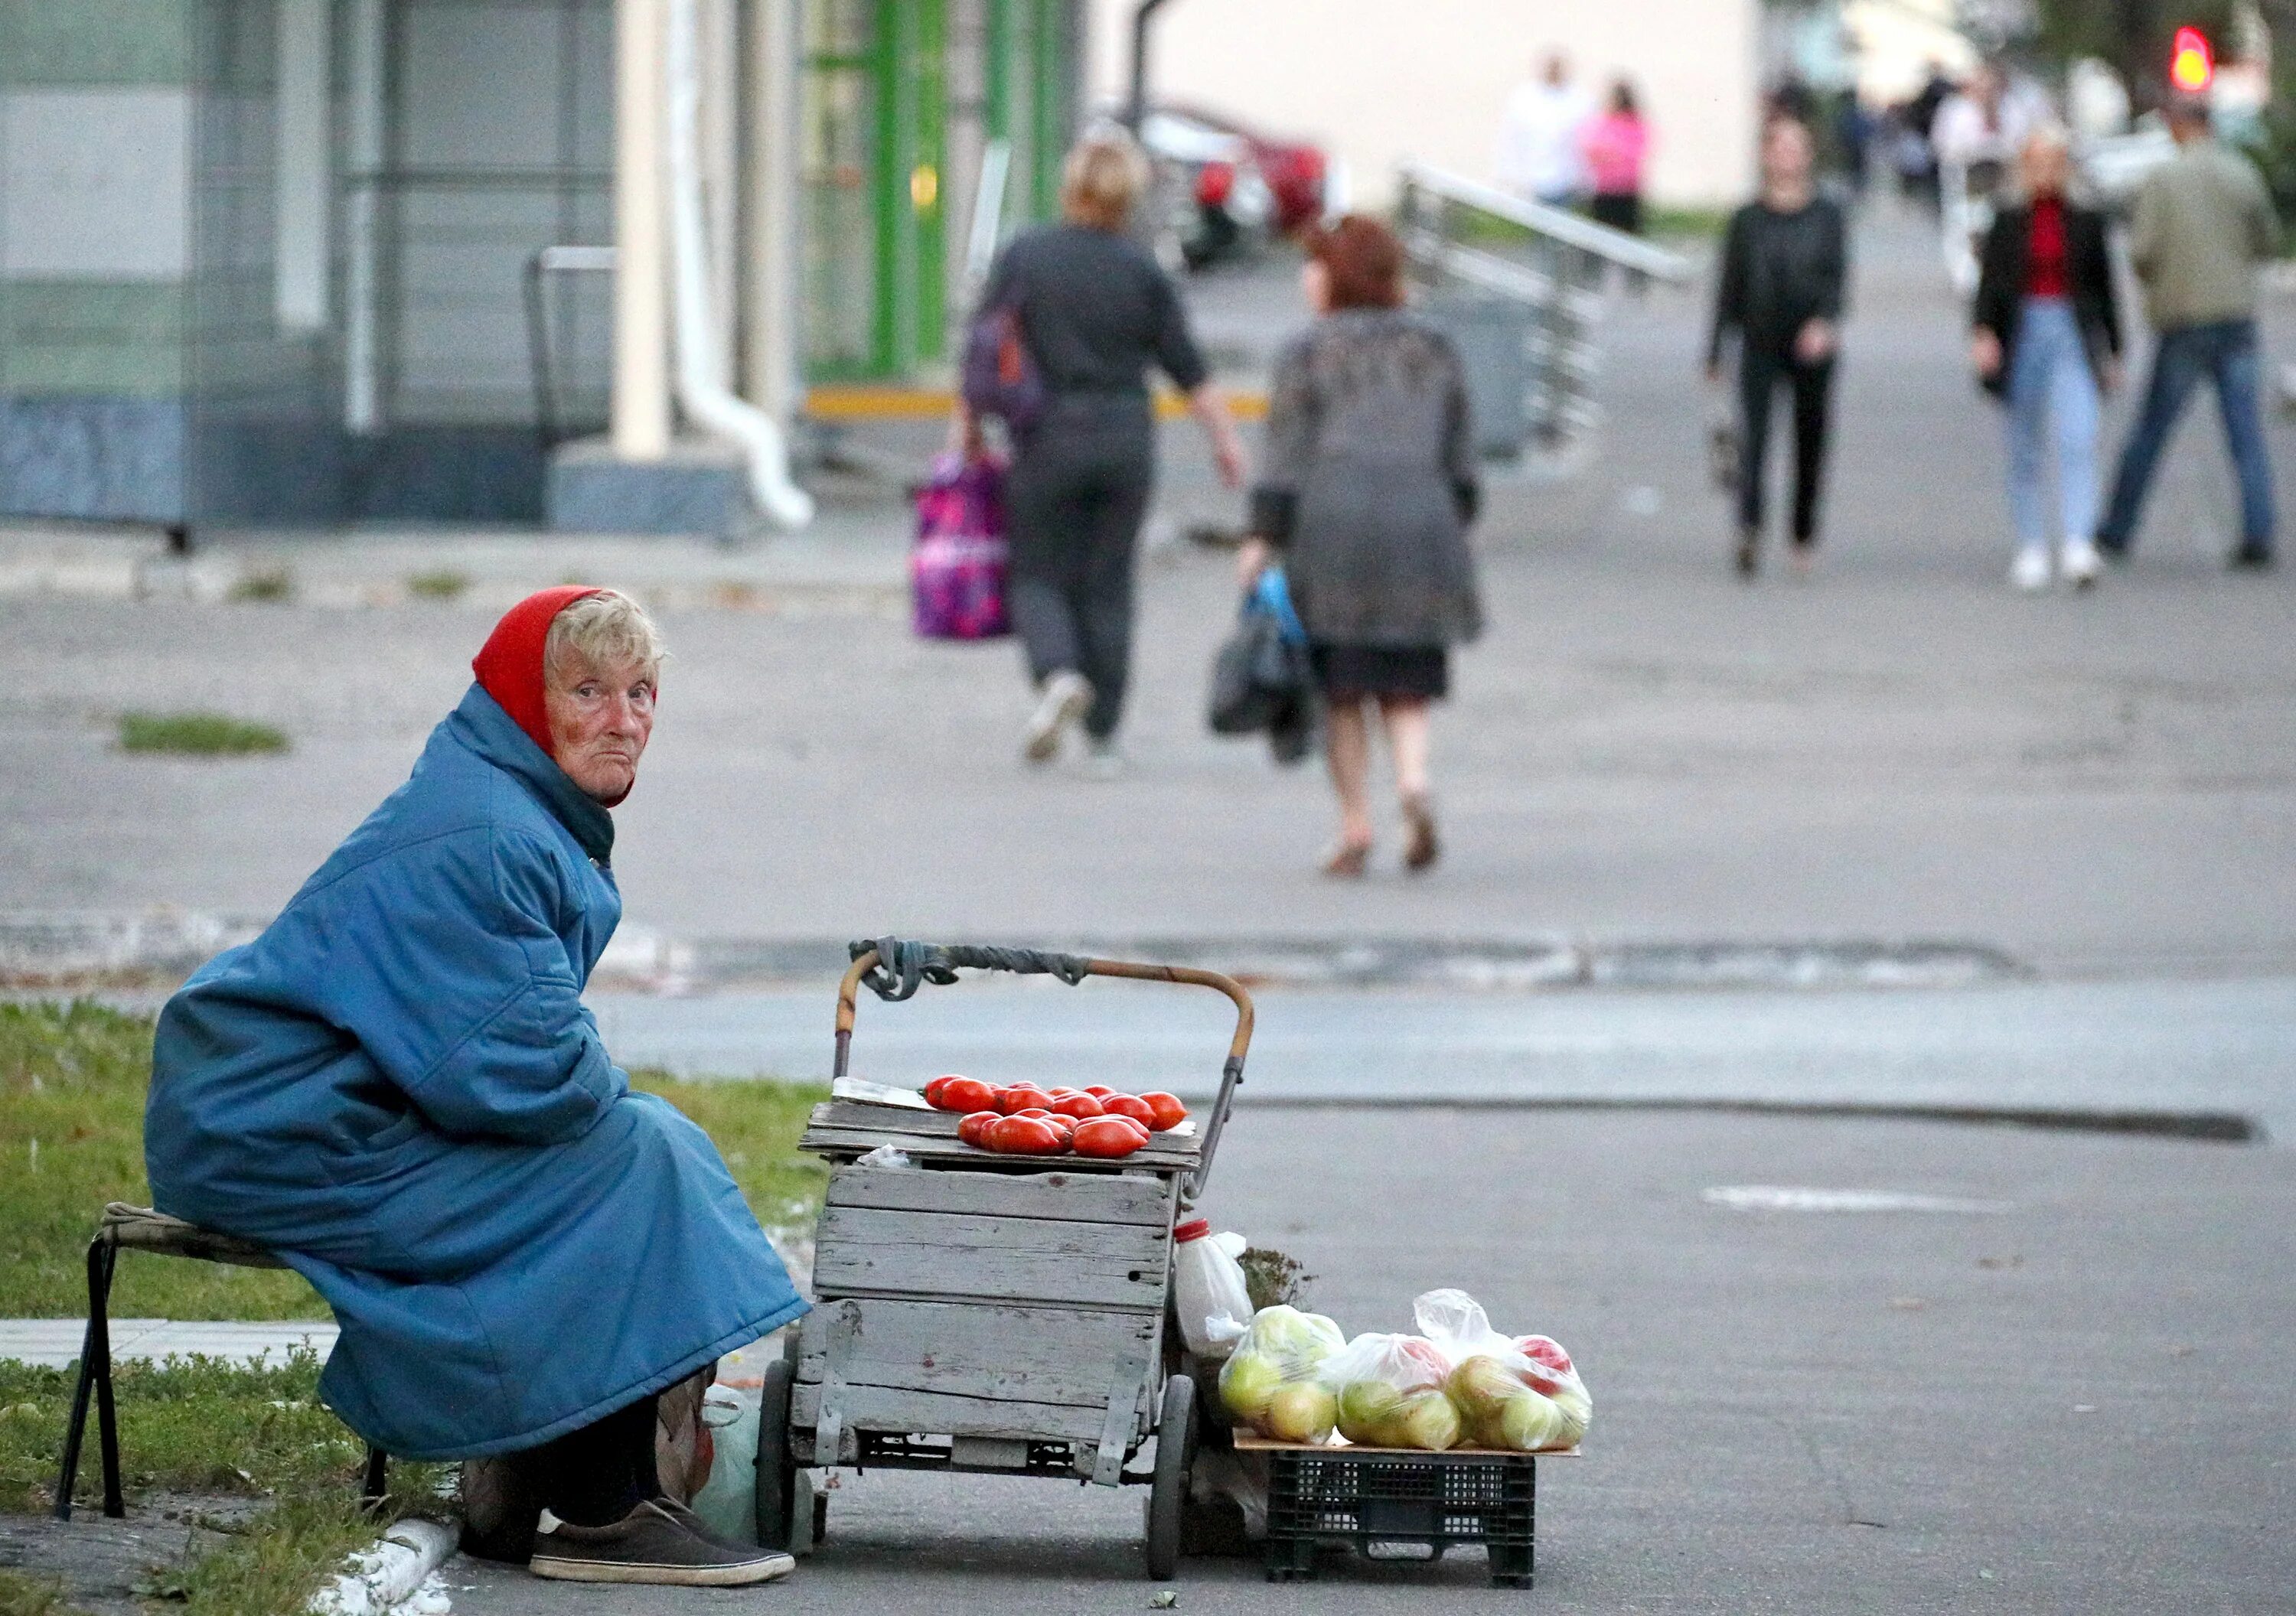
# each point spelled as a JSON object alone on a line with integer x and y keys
{"x": 1985, "y": 352}
{"x": 1208, "y": 405}
{"x": 1254, "y": 558}
{"x": 964, "y": 438}
{"x": 1815, "y": 342}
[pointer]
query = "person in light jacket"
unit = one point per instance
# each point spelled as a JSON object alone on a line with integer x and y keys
{"x": 1365, "y": 496}
{"x": 2044, "y": 337}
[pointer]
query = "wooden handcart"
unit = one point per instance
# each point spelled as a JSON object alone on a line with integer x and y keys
{"x": 996, "y": 1314}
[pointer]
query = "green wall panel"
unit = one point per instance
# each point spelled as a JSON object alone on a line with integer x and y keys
{"x": 119, "y": 339}
{"x": 95, "y": 42}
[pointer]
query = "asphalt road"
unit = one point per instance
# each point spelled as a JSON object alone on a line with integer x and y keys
{"x": 2075, "y": 1401}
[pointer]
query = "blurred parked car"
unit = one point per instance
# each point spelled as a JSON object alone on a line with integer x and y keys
{"x": 1227, "y": 190}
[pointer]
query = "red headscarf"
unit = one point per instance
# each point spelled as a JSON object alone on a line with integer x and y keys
{"x": 509, "y": 664}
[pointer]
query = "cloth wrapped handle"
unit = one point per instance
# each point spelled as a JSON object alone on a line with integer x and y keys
{"x": 904, "y": 966}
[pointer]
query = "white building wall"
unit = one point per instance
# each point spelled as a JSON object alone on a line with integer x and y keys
{"x": 1379, "y": 80}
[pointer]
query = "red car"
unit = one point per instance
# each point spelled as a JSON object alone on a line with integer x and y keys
{"x": 1243, "y": 188}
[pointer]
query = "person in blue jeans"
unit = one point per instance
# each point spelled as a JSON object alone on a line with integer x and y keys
{"x": 2044, "y": 336}
{"x": 2201, "y": 224}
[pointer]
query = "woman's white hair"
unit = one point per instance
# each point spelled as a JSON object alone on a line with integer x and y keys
{"x": 600, "y": 632}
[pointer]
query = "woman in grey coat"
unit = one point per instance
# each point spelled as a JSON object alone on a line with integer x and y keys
{"x": 1366, "y": 494}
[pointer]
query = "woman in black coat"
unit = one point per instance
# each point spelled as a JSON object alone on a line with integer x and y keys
{"x": 2044, "y": 337}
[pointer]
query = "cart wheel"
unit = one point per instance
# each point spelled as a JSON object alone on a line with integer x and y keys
{"x": 1175, "y": 1442}
{"x": 776, "y": 1470}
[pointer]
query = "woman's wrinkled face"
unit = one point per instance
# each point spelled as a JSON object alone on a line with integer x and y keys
{"x": 600, "y": 720}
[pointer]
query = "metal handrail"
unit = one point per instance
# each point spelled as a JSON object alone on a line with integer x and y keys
{"x": 535, "y": 284}
{"x": 1563, "y": 228}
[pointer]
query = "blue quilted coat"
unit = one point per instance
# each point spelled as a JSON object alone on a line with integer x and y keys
{"x": 396, "y": 1087}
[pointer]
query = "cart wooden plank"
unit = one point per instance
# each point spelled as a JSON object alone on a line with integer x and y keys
{"x": 887, "y": 1408}
{"x": 1076, "y": 1197}
{"x": 1251, "y": 1441}
{"x": 1067, "y": 1356}
{"x": 867, "y": 1251}
{"x": 852, "y": 1127}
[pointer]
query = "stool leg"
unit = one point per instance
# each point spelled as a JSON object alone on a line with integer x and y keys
{"x": 106, "y": 1418}
{"x": 378, "y": 1476}
{"x": 95, "y": 1377}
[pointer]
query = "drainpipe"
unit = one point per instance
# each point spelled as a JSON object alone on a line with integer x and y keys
{"x": 704, "y": 387}
{"x": 640, "y": 415}
{"x": 1136, "y": 107}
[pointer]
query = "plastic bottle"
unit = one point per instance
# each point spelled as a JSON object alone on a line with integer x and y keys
{"x": 1208, "y": 1289}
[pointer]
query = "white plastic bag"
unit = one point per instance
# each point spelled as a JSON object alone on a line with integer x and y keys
{"x": 1209, "y": 1291}
{"x": 1389, "y": 1392}
{"x": 1270, "y": 1384}
{"x": 1519, "y": 1392}
{"x": 727, "y": 1502}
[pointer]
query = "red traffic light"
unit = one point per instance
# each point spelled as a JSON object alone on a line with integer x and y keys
{"x": 2191, "y": 63}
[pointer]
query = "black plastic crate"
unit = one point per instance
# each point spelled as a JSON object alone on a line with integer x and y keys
{"x": 1437, "y": 1499}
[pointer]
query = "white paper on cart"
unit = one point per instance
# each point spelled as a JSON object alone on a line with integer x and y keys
{"x": 876, "y": 1093}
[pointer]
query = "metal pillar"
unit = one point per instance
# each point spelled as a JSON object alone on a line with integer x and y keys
{"x": 640, "y": 415}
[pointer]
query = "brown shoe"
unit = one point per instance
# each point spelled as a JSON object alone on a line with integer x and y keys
{"x": 1420, "y": 847}
{"x": 659, "y": 1542}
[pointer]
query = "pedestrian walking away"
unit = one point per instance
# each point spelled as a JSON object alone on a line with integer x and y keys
{"x": 397, "y": 1089}
{"x": 1781, "y": 287}
{"x": 2044, "y": 338}
{"x": 2201, "y": 224}
{"x": 1366, "y": 495}
{"x": 1094, "y": 311}
{"x": 1616, "y": 147}
{"x": 1539, "y": 157}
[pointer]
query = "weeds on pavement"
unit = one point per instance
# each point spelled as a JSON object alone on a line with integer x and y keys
{"x": 444, "y": 584}
{"x": 198, "y": 734}
{"x": 268, "y": 585}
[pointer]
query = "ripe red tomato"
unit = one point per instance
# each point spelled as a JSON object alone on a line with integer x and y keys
{"x": 1133, "y": 1122}
{"x": 932, "y": 1092}
{"x": 1166, "y": 1110}
{"x": 1078, "y": 1105}
{"x": 1033, "y": 1136}
{"x": 1107, "y": 1136}
{"x": 1099, "y": 1092}
{"x": 974, "y": 1128}
{"x": 1021, "y": 1097}
{"x": 1066, "y": 1124}
{"x": 966, "y": 1094}
{"x": 1131, "y": 1106}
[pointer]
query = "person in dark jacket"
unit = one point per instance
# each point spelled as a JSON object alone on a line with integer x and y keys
{"x": 1095, "y": 312}
{"x": 397, "y": 1089}
{"x": 2044, "y": 337}
{"x": 1367, "y": 490}
{"x": 1784, "y": 276}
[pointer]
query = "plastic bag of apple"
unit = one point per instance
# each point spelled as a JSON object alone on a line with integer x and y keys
{"x": 1458, "y": 1383}
{"x": 1021, "y": 1119}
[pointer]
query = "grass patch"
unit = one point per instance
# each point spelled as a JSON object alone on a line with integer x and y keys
{"x": 23, "y": 1596}
{"x": 265, "y": 585}
{"x": 72, "y": 1083}
{"x": 198, "y": 735}
{"x": 444, "y": 584}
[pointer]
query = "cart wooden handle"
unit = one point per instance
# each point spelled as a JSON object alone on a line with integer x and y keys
{"x": 915, "y": 963}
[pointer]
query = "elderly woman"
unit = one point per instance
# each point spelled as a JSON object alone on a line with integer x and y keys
{"x": 396, "y": 1088}
{"x": 1095, "y": 312}
{"x": 1366, "y": 494}
{"x": 2044, "y": 338}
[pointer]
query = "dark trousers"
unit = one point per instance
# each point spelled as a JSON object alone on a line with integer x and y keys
{"x": 2224, "y": 351}
{"x": 1075, "y": 499}
{"x": 1762, "y": 367}
{"x": 595, "y": 1476}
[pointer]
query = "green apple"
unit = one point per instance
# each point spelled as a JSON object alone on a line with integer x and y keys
{"x": 1366, "y": 1408}
{"x": 1301, "y": 1412}
{"x": 1428, "y": 1420}
{"x": 1577, "y": 1409}
{"x": 1528, "y": 1423}
{"x": 1247, "y": 1382}
{"x": 1482, "y": 1386}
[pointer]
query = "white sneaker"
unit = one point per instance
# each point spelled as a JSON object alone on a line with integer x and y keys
{"x": 2030, "y": 570}
{"x": 1067, "y": 694}
{"x": 1103, "y": 762}
{"x": 2080, "y": 563}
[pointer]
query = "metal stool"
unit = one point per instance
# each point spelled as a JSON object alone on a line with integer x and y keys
{"x": 139, "y": 1228}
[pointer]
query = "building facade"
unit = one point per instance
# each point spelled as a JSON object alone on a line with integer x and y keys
{"x": 293, "y": 260}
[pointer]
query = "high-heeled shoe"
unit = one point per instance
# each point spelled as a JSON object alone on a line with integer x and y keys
{"x": 1421, "y": 848}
